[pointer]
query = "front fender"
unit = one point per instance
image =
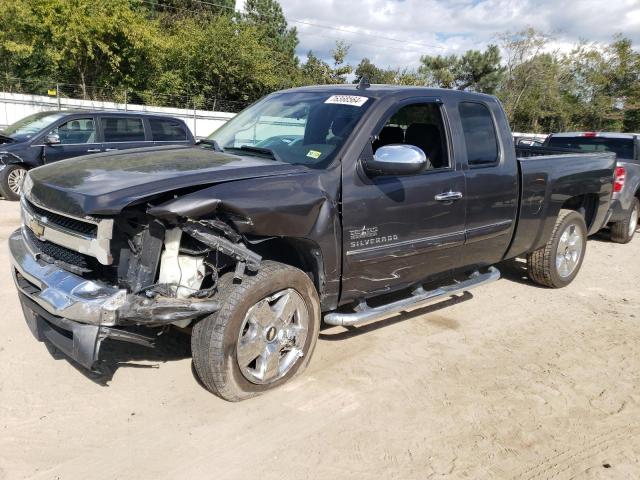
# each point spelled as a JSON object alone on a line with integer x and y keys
{"x": 8, "y": 158}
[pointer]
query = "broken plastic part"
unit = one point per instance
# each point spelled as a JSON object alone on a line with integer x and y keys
{"x": 186, "y": 272}
{"x": 160, "y": 310}
{"x": 239, "y": 252}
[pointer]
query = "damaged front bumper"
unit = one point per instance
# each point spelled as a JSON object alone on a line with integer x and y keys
{"x": 76, "y": 314}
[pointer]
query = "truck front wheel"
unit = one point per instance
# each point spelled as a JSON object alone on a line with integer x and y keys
{"x": 557, "y": 263}
{"x": 623, "y": 231}
{"x": 263, "y": 334}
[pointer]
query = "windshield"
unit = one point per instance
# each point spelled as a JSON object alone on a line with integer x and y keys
{"x": 622, "y": 147}
{"x": 29, "y": 126}
{"x": 294, "y": 127}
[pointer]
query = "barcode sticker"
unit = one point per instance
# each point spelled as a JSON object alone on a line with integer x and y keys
{"x": 353, "y": 100}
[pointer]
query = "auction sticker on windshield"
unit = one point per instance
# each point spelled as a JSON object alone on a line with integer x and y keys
{"x": 354, "y": 100}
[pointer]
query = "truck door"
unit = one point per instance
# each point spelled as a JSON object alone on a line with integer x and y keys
{"x": 492, "y": 181}
{"x": 398, "y": 230}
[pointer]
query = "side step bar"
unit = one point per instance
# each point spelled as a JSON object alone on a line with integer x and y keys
{"x": 419, "y": 298}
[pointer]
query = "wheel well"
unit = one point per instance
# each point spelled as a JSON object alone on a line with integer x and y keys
{"x": 299, "y": 253}
{"x": 586, "y": 205}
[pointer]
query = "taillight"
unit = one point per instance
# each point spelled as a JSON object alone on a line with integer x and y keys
{"x": 590, "y": 134}
{"x": 618, "y": 182}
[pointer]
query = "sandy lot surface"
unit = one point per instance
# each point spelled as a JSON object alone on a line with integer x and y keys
{"x": 513, "y": 382}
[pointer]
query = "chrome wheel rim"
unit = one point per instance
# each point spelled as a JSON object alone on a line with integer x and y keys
{"x": 15, "y": 179}
{"x": 272, "y": 337}
{"x": 633, "y": 221}
{"x": 569, "y": 250}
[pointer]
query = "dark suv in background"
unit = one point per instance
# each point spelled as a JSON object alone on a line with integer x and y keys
{"x": 47, "y": 137}
{"x": 625, "y": 203}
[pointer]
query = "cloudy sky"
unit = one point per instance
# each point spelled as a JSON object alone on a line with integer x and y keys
{"x": 396, "y": 32}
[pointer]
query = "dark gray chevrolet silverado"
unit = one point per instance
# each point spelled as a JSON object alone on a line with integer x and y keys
{"x": 335, "y": 204}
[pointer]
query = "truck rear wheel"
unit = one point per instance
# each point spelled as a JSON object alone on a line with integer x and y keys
{"x": 623, "y": 231}
{"x": 263, "y": 335}
{"x": 11, "y": 178}
{"x": 557, "y": 263}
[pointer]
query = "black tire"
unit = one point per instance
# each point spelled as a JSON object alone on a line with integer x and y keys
{"x": 623, "y": 231}
{"x": 541, "y": 263}
{"x": 214, "y": 339}
{"x": 5, "y": 188}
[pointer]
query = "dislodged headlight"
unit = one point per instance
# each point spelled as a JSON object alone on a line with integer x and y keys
{"x": 27, "y": 185}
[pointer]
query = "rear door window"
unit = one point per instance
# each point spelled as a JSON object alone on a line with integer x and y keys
{"x": 479, "y": 134}
{"x": 166, "y": 130}
{"x": 122, "y": 129}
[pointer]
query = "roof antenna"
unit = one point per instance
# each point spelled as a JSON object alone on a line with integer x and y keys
{"x": 363, "y": 84}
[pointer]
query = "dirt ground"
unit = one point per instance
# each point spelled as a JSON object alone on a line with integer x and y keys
{"x": 509, "y": 382}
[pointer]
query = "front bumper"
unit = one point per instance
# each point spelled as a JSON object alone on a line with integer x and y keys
{"x": 78, "y": 341}
{"x": 60, "y": 292}
{"x": 76, "y": 314}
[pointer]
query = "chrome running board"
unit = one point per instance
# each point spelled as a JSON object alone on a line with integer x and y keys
{"x": 419, "y": 298}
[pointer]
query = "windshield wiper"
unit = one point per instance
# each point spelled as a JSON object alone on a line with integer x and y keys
{"x": 210, "y": 141}
{"x": 260, "y": 150}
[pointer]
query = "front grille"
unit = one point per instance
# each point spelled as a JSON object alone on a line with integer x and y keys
{"x": 57, "y": 252}
{"x": 72, "y": 224}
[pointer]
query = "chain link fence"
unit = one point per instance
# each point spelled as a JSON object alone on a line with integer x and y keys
{"x": 119, "y": 95}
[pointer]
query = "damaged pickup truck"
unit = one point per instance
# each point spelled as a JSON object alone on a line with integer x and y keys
{"x": 340, "y": 204}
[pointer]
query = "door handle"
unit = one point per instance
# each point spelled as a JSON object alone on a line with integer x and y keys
{"x": 94, "y": 150}
{"x": 448, "y": 196}
{"x": 110, "y": 149}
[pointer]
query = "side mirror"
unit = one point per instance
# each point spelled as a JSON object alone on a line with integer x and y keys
{"x": 52, "y": 139}
{"x": 397, "y": 159}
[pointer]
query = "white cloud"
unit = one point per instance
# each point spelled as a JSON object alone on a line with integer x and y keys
{"x": 444, "y": 27}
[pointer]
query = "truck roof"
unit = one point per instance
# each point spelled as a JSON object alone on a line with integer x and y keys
{"x": 382, "y": 90}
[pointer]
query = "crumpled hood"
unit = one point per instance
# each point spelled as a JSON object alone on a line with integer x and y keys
{"x": 105, "y": 183}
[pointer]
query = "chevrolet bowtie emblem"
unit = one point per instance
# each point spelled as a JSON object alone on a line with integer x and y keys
{"x": 36, "y": 227}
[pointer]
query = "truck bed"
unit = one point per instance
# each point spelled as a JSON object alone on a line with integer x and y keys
{"x": 547, "y": 180}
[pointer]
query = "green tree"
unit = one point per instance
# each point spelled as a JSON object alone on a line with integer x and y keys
{"x": 374, "y": 74}
{"x": 181, "y": 8}
{"x": 474, "y": 70}
{"x": 268, "y": 15}
{"x": 316, "y": 71}
{"x": 235, "y": 65}
{"x": 106, "y": 43}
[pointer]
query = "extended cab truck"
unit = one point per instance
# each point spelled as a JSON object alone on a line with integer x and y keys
{"x": 320, "y": 203}
{"x": 625, "y": 205}
{"x": 47, "y": 137}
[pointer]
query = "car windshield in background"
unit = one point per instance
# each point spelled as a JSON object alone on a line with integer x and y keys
{"x": 29, "y": 126}
{"x": 622, "y": 147}
{"x": 298, "y": 128}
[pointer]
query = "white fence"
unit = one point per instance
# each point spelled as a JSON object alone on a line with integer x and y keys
{"x": 14, "y": 106}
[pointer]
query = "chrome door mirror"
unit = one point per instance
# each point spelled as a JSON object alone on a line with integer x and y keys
{"x": 52, "y": 139}
{"x": 397, "y": 159}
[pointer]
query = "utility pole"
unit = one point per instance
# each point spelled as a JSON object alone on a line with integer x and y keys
{"x": 58, "y": 95}
{"x": 195, "y": 120}
{"x": 126, "y": 91}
